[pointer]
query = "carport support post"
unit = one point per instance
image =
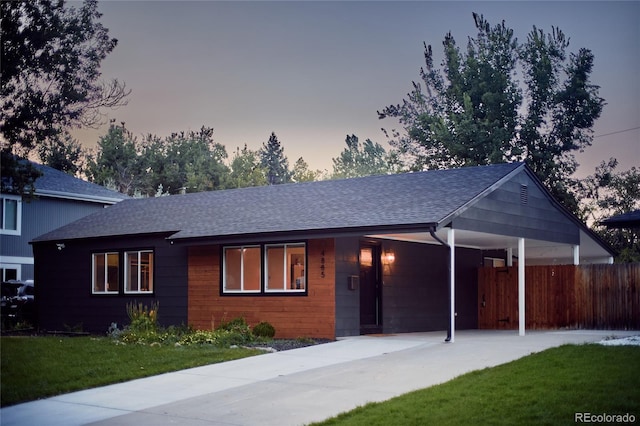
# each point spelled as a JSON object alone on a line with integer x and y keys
{"x": 521, "y": 307}
{"x": 452, "y": 284}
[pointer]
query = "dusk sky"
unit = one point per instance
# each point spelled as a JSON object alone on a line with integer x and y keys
{"x": 314, "y": 72}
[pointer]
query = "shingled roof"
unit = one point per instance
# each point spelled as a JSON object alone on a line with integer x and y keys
{"x": 625, "y": 220}
{"x": 55, "y": 183}
{"x": 375, "y": 202}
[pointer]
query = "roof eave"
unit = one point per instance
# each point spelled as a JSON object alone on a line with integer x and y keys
{"x": 77, "y": 197}
{"x": 276, "y": 236}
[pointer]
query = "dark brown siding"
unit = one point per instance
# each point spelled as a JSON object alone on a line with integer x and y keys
{"x": 312, "y": 315}
{"x": 585, "y": 296}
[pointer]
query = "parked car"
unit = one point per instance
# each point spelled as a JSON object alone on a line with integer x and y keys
{"x": 17, "y": 303}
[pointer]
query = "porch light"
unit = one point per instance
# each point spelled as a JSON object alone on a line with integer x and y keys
{"x": 388, "y": 257}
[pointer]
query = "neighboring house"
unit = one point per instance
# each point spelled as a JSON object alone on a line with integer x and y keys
{"x": 58, "y": 200}
{"x": 628, "y": 220}
{"x": 319, "y": 259}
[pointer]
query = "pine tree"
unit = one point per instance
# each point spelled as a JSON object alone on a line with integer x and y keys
{"x": 274, "y": 162}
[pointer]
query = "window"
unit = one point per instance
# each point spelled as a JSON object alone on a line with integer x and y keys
{"x": 106, "y": 273}
{"x": 272, "y": 268}
{"x": 241, "y": 269}
{"x": 9, "y": 272}
{"x": 138, "y": 275}
{"x": 285, "y": 267}
{"x": 11, "y": 213}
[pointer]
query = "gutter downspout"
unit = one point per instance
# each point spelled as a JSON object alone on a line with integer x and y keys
{"x": 432, "y": 231}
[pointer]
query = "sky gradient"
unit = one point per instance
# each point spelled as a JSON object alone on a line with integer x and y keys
{"x": 314, "y": 72}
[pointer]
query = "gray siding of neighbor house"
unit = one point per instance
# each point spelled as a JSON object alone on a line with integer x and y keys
{"x": 347, "y": 301}
{"x": 67, "y": 300}
{"x": 39, "y": 216}
{"x": 416, "y": 288}
{"x": 510, "y": 211}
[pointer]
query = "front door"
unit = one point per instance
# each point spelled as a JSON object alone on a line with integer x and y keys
{"x": 370, "y": 289}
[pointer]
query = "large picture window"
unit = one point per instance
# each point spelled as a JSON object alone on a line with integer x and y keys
{"x": 138, "y": 276}
{"x": 241, "y": 269}
{"x": 106, "y": 273}
{"x": 285, "y": 267}
{"x": 269, "y": 269}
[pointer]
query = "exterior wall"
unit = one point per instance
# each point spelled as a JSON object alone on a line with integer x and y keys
{"x": 63, "y": 285}
{"x": 310, "y": 315}
{"x": 347, "y": 301}
{"x": 415, "y": 288}
{"x": 507, "y": 211}
{"x": 39, "y": 216}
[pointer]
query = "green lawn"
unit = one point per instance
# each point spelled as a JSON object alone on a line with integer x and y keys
{"x": 544, "y": 388}
{"x": 547, "y": 388}
{"x": 38, "y": 367}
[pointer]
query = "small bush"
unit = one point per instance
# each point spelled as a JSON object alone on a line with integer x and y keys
{"x": 143, "y": 318}
{"x": 235, "y": 332}
{"x": 264, "y": 329}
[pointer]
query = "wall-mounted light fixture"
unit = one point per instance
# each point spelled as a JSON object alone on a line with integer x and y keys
{"x": 388, "y": 257}
{"x": 60, "y": 246}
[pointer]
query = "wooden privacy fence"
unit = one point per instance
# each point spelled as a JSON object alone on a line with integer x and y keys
{"x": 561, "y": 296}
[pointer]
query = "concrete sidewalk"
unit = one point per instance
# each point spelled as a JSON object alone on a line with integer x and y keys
{"x": 293, "y": 387}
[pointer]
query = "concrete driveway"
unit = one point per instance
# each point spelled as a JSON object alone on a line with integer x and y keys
{"x": 293, "y": 387}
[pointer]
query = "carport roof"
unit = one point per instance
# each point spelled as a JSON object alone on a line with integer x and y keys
{"x": 374, "y": 203}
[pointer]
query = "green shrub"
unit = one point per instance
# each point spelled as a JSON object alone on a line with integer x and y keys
{"x": 264, "y": 329}
{"x": 143, "y": 318}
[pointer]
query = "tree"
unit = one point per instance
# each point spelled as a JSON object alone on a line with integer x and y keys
{"x": 607, "y": 193}
{"x": 474, "y": 112}
{"x": 361, "y": 159}
{"x": 116, "y": 164}
{"x": 273, "y": 160}
{"x": 245, "y": 170}
{"x": 50, "y": 65}
{"x": 183, "y": 162}
{"x": 51, "y": 56}
{"x": 63, "y": 153}
{"x": 302, "y": 173}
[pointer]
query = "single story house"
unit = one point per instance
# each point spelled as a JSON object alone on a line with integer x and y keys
{"x": 379, "y": 254}
{"x": 58, "y": 199}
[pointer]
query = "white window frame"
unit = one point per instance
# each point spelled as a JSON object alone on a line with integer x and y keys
{"x": 12, "y": 266}
{"x": 3, "y": 219}
{"x": 284, "y": 288}
{"x": 224, "y": 270}
{"x": 127, "y": 275}
{"x": 106, "y": 273}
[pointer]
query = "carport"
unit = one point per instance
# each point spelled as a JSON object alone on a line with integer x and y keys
{"x": 537, "y": 231}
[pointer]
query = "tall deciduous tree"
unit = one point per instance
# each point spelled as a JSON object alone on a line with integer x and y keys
{"x": 183, "y": 162}
{"x": 245, "y": 170}
{"x": 50, "y": 66}
{"x": 116, "y": 163}
{"x": 51, "y": 56}
{"x": 361, "y": 159}
{"x": 62, "y": 152}
{"x": 473, "y": 111}
{"x": 607, "y": 193}
{"x": 274, "y": 162}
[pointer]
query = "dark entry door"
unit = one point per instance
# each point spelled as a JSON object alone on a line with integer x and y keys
{"x": 370, "y": 289}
